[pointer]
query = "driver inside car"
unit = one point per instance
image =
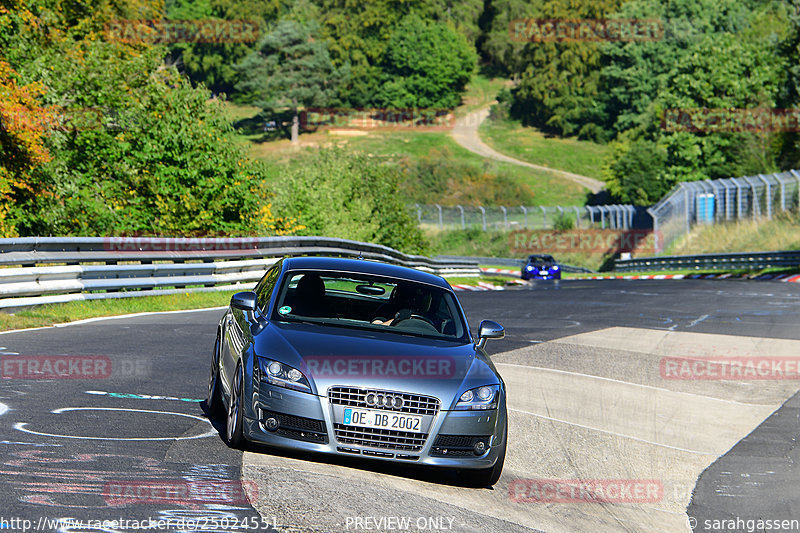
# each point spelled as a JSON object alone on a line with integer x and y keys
{"x": 408, "y": 302}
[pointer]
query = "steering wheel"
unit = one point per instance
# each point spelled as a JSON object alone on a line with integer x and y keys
{"x": 417, "y": 317}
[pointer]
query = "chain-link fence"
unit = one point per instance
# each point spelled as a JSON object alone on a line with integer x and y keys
{"x": 714, "y": 201}
{"x": 524, "y": 217}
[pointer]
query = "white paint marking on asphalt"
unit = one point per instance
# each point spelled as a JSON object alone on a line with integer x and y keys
{"x": 613, "y": 433}
{"x": 3, "y": 409}
{"x": 20, "y": 426}
{"x": 697, "y": 321}
{"x": 651, "y": 387}
{"x": 38, "y": 444}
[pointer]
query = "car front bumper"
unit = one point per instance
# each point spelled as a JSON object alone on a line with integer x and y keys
{"x": 308, "y": 424}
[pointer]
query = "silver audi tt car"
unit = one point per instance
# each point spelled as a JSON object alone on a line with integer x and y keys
{"x": 359, "y": 358}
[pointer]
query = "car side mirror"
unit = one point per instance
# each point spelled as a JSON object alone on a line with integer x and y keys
{"x": 489, "y": 329}
{"x": 246, "y": 301}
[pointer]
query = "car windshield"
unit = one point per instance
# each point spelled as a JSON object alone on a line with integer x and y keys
{"x": 356, "y": 300}
{"x": 541, "y": 259}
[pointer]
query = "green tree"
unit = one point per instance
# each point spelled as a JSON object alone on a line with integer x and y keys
{"x": 290, "y": 68}
{"x": 213, "y": 64}
{"x": 346, "y": 195}
{"x": 426, "y": 65}
{"x": 359, "y": 33}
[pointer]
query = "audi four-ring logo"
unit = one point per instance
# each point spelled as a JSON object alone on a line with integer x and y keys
{"x": 384, "y": 400}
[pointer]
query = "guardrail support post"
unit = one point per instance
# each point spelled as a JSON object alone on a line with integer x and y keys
{"x": 483, "y": 215}
{"x": 505, "y": 216}
{"x": 577, "y": 216}
{"x": 463, "y": 223}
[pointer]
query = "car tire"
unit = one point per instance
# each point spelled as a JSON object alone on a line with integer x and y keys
{"x": 487, "y": 477}
{"x": 214, "y": 394}
{"x": 234, "y": 433}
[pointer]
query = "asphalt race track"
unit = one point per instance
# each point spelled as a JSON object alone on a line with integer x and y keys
{"x": 605, "y": 435}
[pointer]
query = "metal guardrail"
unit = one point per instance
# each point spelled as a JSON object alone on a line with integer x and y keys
{"x": 87, "y": 268}
{"x": 728, "y": 261}
{"x": 510, "y": 262}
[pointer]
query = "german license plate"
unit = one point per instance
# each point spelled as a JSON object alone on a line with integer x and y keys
{"x": 382, "y": 420}
{"x": 543, "y": 272}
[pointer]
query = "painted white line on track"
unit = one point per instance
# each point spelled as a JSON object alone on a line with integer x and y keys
{"x": 613, "y": 433}
{"x": 20, "y": 426}
{"x": 115, "y": 317}
{"x": 697, "y": 321}
{"x": 3, "y": 409}
{"x": 651, "y": 387}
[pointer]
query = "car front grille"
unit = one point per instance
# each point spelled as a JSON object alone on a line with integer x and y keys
{"x": 412, "y": 403}
{"x": 380, "y": 438}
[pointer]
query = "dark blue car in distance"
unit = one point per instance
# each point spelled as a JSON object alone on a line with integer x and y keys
{"x": 541, "y": 266}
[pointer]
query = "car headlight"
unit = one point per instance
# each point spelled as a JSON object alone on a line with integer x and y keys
{"x": 555, "y": 267}
{"x": 281, "y": 375}
{"x": 529, "y": 267}
{"x": 479, "y": 398}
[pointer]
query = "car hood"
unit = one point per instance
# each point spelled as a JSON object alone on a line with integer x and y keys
{"x": 330, "y": 356}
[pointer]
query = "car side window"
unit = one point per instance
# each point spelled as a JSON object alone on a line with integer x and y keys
{"x": 266, "y": 286}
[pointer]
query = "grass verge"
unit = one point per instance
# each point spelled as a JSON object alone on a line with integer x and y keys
{"x": 528, "y": 144}
{"x": 47, "y": 315}
{"x": 761, "y": 235}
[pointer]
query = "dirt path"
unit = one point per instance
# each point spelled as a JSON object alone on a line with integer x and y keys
{"x": 465, "y": 133}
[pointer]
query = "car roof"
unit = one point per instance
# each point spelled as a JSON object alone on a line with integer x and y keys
{"x": 363, "y": 266}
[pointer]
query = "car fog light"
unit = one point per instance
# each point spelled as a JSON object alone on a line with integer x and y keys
{"x": 480, "y": 448}
{"x": 271, "y": 423}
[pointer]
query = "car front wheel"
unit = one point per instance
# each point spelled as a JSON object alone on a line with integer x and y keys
{"x": 213, "y": 396}
{"x": 233, "y": 430}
